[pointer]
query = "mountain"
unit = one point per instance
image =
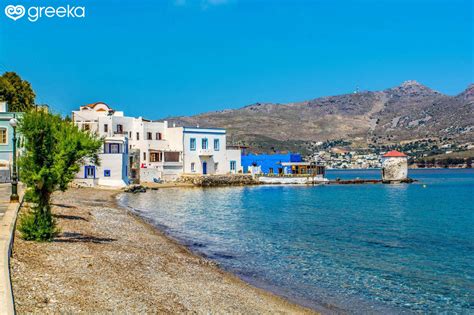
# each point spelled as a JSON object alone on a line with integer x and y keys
{"x": 403, "y": 113}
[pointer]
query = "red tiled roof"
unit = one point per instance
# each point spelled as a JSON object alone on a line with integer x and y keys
{"x": 93, "y": 104}
{"x": 394, "y": 153}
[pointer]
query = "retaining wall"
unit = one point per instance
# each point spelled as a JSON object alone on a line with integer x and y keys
{"x": 218, "y": 180}
{"x": 7, "y": 233}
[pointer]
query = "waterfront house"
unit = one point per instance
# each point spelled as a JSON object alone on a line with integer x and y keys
{"x": 394, "y": 166}
{"x": 6, "y": 141}
{"x": 269, "y": 163}
{"x": 156, "y": 151}
{"x": 304, "y": 168}
{"x": 205, "y": 151}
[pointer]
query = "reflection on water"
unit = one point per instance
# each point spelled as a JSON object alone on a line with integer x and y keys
{"x": 362, "y": 248}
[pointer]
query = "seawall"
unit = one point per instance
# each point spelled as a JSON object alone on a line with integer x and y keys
{"x": 218, "y": 180}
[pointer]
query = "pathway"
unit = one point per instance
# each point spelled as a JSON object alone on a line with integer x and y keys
{"x": 5, "y": 190}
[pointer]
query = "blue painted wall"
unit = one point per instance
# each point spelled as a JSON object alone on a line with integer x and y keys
{"x": 6, "y": 150}
{"x": 267, "y": 161}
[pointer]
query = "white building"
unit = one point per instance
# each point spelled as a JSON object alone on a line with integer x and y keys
{"x": 205, "y": 151}
{"x": 155, "y": 150}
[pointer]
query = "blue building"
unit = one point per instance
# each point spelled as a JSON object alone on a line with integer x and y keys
{"x": 269, "y": 163}
{"x": 6, "y": 141}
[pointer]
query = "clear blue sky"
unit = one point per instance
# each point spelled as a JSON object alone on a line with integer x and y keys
{"x": 181, "y": 57}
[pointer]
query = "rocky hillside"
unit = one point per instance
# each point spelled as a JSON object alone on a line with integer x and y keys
{"x": 406, "y": 112}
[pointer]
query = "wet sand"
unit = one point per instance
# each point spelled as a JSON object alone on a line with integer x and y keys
{"x": 108, "y": 260}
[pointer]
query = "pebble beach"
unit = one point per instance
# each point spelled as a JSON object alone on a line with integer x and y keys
{"x": 107, "y": 260}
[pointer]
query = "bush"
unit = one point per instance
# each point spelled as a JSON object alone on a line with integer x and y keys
{"x": 35, "y": 227}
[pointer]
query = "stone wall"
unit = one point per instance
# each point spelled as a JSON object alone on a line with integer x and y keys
{"x": 148, "y": 174}
{"x": 218, "y": 180}
{"x": 395, "y": 169}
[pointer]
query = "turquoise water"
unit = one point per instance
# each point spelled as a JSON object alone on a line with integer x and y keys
{"x": 336, "y": 248}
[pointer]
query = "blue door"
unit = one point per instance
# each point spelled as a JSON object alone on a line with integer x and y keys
{"x": 89, "y": 172}
{"x": 204, "y": 168}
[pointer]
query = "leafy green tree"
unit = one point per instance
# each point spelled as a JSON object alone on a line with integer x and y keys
{"x": 54, "y": 151}
{"x": 18, "y": 93}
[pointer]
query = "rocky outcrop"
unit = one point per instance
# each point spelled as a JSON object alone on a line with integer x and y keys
{"x": 135, "y": 189}
{"x": 218, "y": 180}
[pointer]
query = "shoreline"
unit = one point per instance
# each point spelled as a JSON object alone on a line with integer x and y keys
{"x": 317, "y": 308}
{"x": 110, "y": 259}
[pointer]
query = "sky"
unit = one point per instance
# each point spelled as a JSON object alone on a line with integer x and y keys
{"x": 161, "y": 58}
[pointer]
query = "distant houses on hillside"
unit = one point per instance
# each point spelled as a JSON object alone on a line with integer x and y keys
{"x": 141, "y": 150}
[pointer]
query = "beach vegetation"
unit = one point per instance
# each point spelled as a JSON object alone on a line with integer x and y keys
{"x": 54, "y": 149}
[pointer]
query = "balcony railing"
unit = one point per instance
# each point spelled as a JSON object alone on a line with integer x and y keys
{"x": 205, "y": 152}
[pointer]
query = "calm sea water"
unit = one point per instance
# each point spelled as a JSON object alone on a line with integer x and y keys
{"x": 342, "y": 248}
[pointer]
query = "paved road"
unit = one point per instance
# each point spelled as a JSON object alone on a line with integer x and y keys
{"x": 5, "y": 190}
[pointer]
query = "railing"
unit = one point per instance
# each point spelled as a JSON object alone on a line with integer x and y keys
{"x": 165, "y": 163}
{"x": 206, "y": 152}
{"x": 289, "y": 175}
{"x": 4, "y": 176}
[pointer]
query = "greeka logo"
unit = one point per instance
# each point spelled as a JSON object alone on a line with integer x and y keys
{"x": 16, "y": 12}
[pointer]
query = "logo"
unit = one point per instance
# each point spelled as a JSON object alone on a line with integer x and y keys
{"x": 14, "y": 12}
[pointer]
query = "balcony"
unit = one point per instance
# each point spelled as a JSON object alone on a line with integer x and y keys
{"x": 205, "y": 152}
{"x": 164, "y": 164}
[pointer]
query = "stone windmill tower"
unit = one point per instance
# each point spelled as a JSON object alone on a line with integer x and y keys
{"x": 394, "y": 166}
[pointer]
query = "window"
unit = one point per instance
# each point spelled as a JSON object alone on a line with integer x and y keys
{"x": 158, "y": 136}
{"x": 86, "y": 127}
{"x": 204, "y": 144}
{"x": 233, "y": 165}
{"x": 119, "y": 128}
{"x": 114, "y": 148}
{"x": 192, "y": 144}
{"x": 106, "y": 173}
{"x": 144, "y": 156}
{"x": 106, "y": 128}
{"x": 149, "y": 136}
{"x": 171, "y": 156}
{"x": 216, "y": 144}
{"x": 130, "y": 135}
{"x": 138, "y": 136}
{"x": 193, "y": 167}
{"x": 270, "y": 170}
{"x": 156, "y": 156}
{"x": 3, "y": 135}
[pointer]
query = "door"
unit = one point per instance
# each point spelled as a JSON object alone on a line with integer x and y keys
{"x": 89, "y": 172}
{"x": 204, "y": 168}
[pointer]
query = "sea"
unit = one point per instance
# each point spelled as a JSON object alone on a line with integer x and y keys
{"x": 358, "y": 249}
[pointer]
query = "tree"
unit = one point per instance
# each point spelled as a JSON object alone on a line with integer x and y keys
{"x": 54, "y": 151}
{"x": 18, "y": 93}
